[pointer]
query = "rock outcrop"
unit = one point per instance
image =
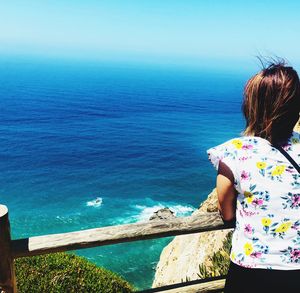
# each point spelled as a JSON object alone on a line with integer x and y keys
{"x": 162, "y": 214}
{"x": 181, "y": 258}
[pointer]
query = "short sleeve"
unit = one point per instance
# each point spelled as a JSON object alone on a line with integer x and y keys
{"x": 227, "y": 153}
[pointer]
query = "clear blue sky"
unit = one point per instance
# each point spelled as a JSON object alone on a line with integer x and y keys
{"x": 182, "y": 30}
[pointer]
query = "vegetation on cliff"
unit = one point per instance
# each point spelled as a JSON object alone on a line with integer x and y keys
{"x": 219, "y": 261}
{"x": 62, "y": 272}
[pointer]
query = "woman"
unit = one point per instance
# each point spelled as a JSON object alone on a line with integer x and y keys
{"x": 259, "y": 187}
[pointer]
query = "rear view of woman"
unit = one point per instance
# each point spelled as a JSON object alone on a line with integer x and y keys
{"x": 258, "y": 184}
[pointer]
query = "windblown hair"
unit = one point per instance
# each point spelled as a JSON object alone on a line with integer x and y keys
{"x": 271, "y": 103}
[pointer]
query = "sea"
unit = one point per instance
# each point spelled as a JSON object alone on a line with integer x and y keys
{"x": 91, "y": 144}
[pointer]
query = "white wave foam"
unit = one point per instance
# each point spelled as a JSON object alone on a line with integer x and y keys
{"x": 147, "y": 211}
{"x": 95, "y": 203}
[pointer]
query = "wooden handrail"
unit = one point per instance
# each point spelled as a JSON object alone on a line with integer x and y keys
{"x": 212, "y": 284}
{"x": 116, "y": 234}
{"x": 11, "y": 249}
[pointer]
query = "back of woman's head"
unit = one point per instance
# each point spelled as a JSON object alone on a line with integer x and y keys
{"x": 272, "y": 103}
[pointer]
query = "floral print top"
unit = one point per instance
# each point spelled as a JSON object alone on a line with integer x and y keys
{"x": 267, "y": 233}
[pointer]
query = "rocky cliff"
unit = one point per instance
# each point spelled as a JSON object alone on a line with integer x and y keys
{"x": 181, "y": 258}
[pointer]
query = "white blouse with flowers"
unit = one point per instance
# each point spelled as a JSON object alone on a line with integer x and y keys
{"x": 267, "y": 233}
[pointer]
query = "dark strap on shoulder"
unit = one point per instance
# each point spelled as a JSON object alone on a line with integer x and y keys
{"x": 289, "y": 158}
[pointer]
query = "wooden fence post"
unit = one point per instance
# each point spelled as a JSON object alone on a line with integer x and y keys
{"x": 7, "y": 270}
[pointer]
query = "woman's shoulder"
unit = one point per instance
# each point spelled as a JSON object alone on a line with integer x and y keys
{"x": 241, "y": 143}
{"x": 246, "y": 142}
{"x": 237, "y": 149}
{"x": 229, "y": 150}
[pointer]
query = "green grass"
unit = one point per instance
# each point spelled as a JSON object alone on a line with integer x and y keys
{"x": 62, "y": 272}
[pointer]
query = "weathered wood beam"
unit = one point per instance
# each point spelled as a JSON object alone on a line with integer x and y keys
{"x": 7, "y": 271}
{"x": 215, "y": 284}
{"x": 117, "y": 234}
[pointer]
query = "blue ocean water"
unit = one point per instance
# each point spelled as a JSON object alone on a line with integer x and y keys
{"x": 133, "y": 136}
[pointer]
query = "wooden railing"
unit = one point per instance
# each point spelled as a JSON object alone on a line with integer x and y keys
{"x": 12, "y": 249}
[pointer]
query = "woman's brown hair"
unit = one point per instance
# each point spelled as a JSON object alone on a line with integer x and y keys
{"x": 271, "y": 103}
